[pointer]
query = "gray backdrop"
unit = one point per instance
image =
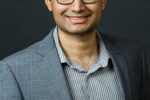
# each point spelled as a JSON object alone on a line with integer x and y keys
{"x": 23, "y": 22}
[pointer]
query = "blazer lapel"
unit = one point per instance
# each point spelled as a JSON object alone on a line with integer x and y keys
{"x": 51, "y": 69}
{"x": 120, "y": 66}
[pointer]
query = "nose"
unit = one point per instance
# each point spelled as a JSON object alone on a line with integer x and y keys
{"x": 77, "y": 6}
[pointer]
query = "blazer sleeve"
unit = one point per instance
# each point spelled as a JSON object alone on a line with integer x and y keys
{"x": 145, "y": 94}
{"x": 9, "y": 89}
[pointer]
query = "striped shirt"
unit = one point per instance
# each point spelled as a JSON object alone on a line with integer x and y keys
{"x": 99, "y": 82}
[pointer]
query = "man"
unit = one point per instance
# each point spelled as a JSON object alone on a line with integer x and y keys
{"x": 74, "y": 62}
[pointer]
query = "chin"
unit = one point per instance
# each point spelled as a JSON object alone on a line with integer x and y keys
{"x": 78, "y": 30}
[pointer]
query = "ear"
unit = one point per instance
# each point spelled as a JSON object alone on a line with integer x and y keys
{"x": 48, "y": 4}
{"x": 103, "y": 4}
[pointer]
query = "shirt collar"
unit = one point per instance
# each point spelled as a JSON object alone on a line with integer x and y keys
{"x": 61, "y": 54}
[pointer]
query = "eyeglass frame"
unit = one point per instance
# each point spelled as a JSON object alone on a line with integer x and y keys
{"x": 73, "y": 1}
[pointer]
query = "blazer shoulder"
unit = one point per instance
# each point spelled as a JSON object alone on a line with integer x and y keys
{"x": 31, "y": 54}
{"x": 23, "y": 56}
{"x": 121, "y": 43}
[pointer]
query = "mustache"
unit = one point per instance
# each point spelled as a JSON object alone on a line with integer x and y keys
{"x": 81, "y": 14}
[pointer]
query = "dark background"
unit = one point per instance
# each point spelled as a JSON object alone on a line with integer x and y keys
{"x": 24, "y": 22}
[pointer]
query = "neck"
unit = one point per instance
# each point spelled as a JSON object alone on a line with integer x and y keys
{"x": 82, "y": 49}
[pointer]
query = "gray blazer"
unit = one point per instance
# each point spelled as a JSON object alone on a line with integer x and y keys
{"x": 36, "y": 73}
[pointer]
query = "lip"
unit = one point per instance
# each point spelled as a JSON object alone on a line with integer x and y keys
{"x": 77, "y": 19}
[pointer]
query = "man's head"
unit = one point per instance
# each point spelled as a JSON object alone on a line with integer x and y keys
{"x": 76, "y": 16}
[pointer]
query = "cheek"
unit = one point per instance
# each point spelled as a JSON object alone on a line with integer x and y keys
{"x": 58, "y": 12}
{"x": 97, "y": 13}
{"x": 95, "y": 9}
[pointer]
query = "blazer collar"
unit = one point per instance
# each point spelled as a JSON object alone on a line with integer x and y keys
{"x": 46, "y": 45}
{"x": 51, "y": 68}
{"x": 120, "y": 65}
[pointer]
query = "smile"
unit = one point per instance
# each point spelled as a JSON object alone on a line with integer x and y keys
{"x": 78, "y": 19}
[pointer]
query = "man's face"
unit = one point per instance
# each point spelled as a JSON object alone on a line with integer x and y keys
{"x": 76, "y": 18}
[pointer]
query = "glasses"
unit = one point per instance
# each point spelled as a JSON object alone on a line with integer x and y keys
{"x": 67, "y": 2}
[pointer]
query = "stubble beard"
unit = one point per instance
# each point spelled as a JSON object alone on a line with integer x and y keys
{"x": 85, "y": 31}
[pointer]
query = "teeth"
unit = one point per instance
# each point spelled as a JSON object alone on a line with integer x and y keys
{"x": 77, "y": 20}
